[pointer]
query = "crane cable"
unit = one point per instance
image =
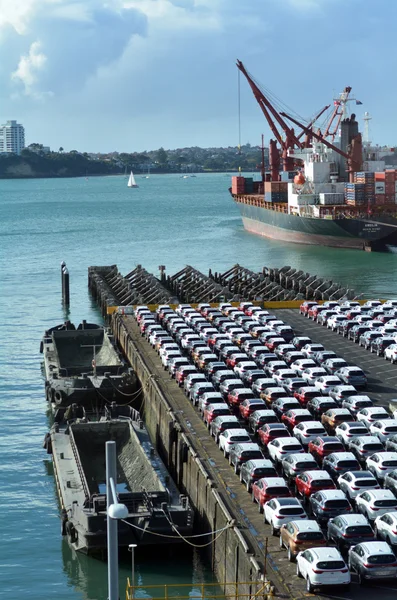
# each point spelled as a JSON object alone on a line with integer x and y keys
{"x": 239, "y": 111}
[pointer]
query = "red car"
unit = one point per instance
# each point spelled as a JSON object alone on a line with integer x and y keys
{"x": 215, "y": 410}
{"x": 183, "y": 372}
{"x": 271, "y": 431}
{"x": 314, "y": 311}
{"x": 236, "y": 357}
{"x": 295, "y": 416}
{"x": 305, "y": 393}
{"x": 320, "y": 447}
{"x": 267, "y": 488}
{"x": 305, "y": 306}
{"x": 247, "y": 407}
{"x": 309, "y": 482}
{"x": 273, "y": 342}
{"x": 237, "y": 396}
{"x": 351, "y": 314}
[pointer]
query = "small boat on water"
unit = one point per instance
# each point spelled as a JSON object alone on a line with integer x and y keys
{"x": 84, "y": 366}
{"x": 143, "y": 485}
{"x": 131, "y": 181}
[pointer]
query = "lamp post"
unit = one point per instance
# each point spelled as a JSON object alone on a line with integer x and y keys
{"x": 115, "y": 511}
{"x": 131, "y": 548}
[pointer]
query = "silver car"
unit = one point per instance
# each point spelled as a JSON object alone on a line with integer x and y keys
{"x": 373, "y": 560}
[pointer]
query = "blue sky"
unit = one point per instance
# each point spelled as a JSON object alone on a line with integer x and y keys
{"x": 133, "y": 75}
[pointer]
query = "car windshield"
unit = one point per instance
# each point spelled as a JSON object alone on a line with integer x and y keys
{"x": 292, "y": 510}
{"x": 306, "y": 465}
{"x": 337, "y": 503}
{"x": 359, "y": 530}
{"x": 310, "y": 535}
{"x": 385, "y": 503}
{"x": 278, "y": 490}
{"x": 381, "y": 559}
{"x": 331, "y": 565}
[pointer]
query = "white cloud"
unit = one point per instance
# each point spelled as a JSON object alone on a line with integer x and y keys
{"x": 29, "y": 70}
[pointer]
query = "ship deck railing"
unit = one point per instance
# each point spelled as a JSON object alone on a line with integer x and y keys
{"x": 202, "y": 591}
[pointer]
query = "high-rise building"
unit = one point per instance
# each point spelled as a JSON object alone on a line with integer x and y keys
{"x": 12, "y": 137}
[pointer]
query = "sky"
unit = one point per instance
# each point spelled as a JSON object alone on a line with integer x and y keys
{"x": 134, "y": 75}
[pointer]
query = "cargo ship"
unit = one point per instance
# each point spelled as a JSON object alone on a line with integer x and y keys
{"x": 329, "y": 189}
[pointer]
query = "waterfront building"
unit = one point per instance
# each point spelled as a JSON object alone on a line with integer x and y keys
{"x": 12, "y": 137}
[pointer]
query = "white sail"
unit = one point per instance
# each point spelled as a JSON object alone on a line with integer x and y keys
{"x": 131, "y": 181}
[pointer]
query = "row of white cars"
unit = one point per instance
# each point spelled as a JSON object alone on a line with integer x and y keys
{"x": 319, "y": 566}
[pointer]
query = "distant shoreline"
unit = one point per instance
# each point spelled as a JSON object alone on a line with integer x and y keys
{"x": 139, "y": 175}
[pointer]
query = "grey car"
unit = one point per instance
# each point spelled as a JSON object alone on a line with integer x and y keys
{"x": 256, "y": 469}
{"x": 348, "y": 530}
{"x": 293, "y": 464}
{"x": 329, "y": 503}
{"x": 373, "y": 560}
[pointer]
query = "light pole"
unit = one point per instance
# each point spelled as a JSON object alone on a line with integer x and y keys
{"x": 115, "y": 511}
{"x": 131, "y": 548}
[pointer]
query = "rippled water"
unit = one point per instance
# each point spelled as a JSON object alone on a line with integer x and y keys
{"x": 169, "y": 221}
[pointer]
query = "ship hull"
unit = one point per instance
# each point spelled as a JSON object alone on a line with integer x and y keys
{"x": 340, "y": 233}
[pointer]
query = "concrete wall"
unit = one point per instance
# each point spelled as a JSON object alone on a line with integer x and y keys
{"x": 229, "y": 554}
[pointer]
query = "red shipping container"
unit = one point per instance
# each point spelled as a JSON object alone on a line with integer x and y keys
{"x": 380, "y": 176}
{"x": 380, "y": 198}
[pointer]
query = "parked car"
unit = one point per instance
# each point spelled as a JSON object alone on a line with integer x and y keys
{"x": 252, "y": 375}
{"x": 339, "y": 392}
{"x": 255, "y": 469}
{"x": 319, "y": 405}
{"x": 311, "y": 374}
{"x": 321, "y": 447}
{"x": 214, "y": 410}
{"x": 329, "y": 503}
{"x": 223, "y": 423}
{"x": 301, "y": 364}
{"x": 305, "y": 306}
{"x": 191, "y": 380}
{"x": 293, "y": 417}
{"x": 381, "y": 464}
{"x": 293, "y": 464}
{"x": 219, "y": 376}
{"x": 365, "y": 340}
{"x": 371, "y": 414}
{"x": 209, "y": 398}
{"x": 262, "y": 383}
{"x": 353, "y": 483}
{"x": 298, "y": 536}
{"x": 331, "y": 365}
{"x": 338, "y": 463}
{"x": 386, "y": 528}
{"x": 334, "y": 417}
{"x": 372, "y": 561}
{"x": 279, "y": 511}
{"x": 379, "y": 344}
{"x": 182, "y": 372}
{"x": 325, "y": 383}
{"x": 249, "y": 406}
{"x": 261, "y": 417}
{"x": 228, "y": 385}
{"x": 384, "y": 429}
{"x": 279, "y": 448}
{"x": 391, "y": 443}
{"x": 294, "y": 355}
{"x": 284, "y": 404}
{"x": 237, "y": 396}
{"x": 270, "y": 394}
{"x": 310, "y": 482}
{"x": 304, "y": 394}
{"x": 356, "y": 403}
{"x": 291, "y": 384}
{"x": 349, "y": 430}
{"x": 310, "y": 350}
{"x": 375, "y": 503}
{"x": 267, "y": 488}
{"x": 348, "y": 530}
{"x": 228, "y": 438}
{"x": 323, "y": 355}
{"x": 200, "y": 388}
{"x": 308, "y": 431}
{"x": 241, "y": 453}
{"x": 363, "y": 447}
{"x": 322, "y": 567}
{"x": 271, "y": 431}
{"x": 299, "y": 341}
{"x": 352, "y": 376}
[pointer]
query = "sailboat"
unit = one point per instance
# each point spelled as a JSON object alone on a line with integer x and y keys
{"x": 131, "y": 182}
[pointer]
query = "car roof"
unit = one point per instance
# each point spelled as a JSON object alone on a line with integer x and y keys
{"x": 376, "y": 547}
{"x": 288, "y": 502}
{"x": 260, "y": 463}
{"x": 327, "y": 553}
{"x": 239, "y": 432}
{"x": 384, "y": 494}
{"x": 306, "y": 525}
{"x": 371, "y": 409}
{"x": 274, "y": 481}
{"x": 333, "y": 494}
{"x": 386, "y": 455}
{"x": 247, "y": 446}
{"x": 288, "y": 441}
{"x": 223, "y": 418}
{"x": 318, "y": 474}
{"x": 354, "y": 519}
{"x": 265, "y": 412}
{"x": 343, "y": 455}
{"x": 368, "y": 439}
{"x": 304, "y": 457}
{"x": 387, "y": 421}
{"x": 318, "y": 425}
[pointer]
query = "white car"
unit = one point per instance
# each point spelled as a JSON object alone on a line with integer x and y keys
{"x": 372, "y": 303}
{"x": 244, "y": 366}
{"x": 384, "y": 428}
{"x": 311, "y": 374}
{"x": 371, "y": 414}
{"x": 310, "y": 350}
{"x": 385, "y": 527}
{"x": 301, "y": 364}
{"x": 325, "y": 383}
{"x": 353, "y": 483}
{"x": 166, "y": 357}
{"x": 280, "y": 511}
{"x": 375, "y": 503}
{"x": 229, "y": 437}
{"x": 322, "y": 567}
{"x": 333, "y": 322}
{"x": 381, "y": 464}
{"x": 282, "y": 374}
{"x": 390, "y": 353}
{"x": 280, "y": 448}
{"x": 167, "y": 347}
{"x": 349, "y": 430}
{"x": 307, "y": 431}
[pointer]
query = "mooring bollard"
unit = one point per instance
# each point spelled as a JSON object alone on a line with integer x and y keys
{"x": 65, "y": 284}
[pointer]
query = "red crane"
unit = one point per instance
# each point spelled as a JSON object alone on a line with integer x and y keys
{"x": 355, "y": 155}
{"x": 287, "y": 140}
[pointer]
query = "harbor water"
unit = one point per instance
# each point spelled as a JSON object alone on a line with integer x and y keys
{"x": 168, "y": 221}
